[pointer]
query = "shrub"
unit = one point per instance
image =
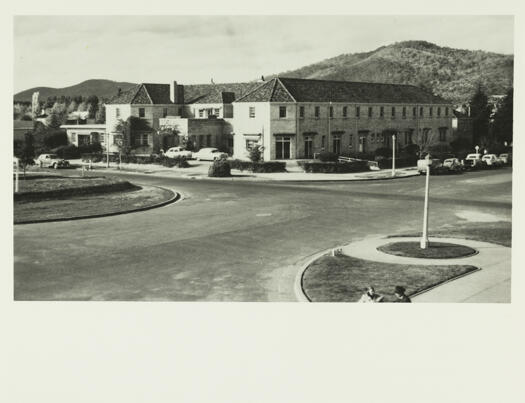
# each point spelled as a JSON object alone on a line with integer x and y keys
{"x": 326, "y": 156}
{"x": 68, "y": 152}
{"x": 219, "y": 169}
{"x": 55, "y": 138}
{"x": 333, "y": 167}
{"x": 256, "y": 154}
{"x": 90, "y": 148}
{"x": 383, "y": 152}
{"x": 258, "y": 167}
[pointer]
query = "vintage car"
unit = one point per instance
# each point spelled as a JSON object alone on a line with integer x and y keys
{"x": 51, "y": 161}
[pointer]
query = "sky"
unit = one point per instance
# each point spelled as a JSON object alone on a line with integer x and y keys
{"x": 59, "y": 51}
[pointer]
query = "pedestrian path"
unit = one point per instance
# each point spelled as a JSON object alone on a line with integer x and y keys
{"x": 489, "y": 284}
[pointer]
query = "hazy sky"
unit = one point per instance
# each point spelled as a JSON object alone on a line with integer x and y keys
{"x": 62, "y": 51}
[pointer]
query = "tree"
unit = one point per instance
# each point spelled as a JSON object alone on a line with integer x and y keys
{"x": 82, "y": 107}
{"x": 256, "y": 153}
{"x": 425, "y": 140}
{"x": 503, "y": 119}
{"x": 93, "y": 107}
{"x": 100, "y": 115}
{"x": 27, "y": 152}
{"x": 480, "y": 113}
{"x": 72, "y": 107}
{"x": 57, "y": 116}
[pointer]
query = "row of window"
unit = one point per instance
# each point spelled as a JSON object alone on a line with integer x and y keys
{"x": 142, "y": 112}
{"x": 370, "y": 112}
{"x": 211, "y": 112}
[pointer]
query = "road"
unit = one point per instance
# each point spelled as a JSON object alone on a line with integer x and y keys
{"x": 235, "y": 240}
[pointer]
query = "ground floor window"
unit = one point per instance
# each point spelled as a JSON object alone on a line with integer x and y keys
{"x": 442, "y": 134}
{"x": 143, "y": 139}
{"x": 336, "y": 144}
{"x": 323, "y": 141}
{"x": 308, "y": 147}
{"x": 83, "y": 139}
{"x": 282, "y": 148}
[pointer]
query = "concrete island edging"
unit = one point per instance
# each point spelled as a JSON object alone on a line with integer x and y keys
{"x": 175, "y": 198}
{"x": 487, "y": 270}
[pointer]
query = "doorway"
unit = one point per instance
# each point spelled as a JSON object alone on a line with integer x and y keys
{"x": 308, "y": 147}
{"x": 282, "y": 148}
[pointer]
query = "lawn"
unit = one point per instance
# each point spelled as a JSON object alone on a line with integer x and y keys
{"x": 343, "y": 278}
{"x": 435, "y": 250}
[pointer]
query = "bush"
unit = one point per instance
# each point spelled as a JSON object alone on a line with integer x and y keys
{"x": 256, "y": 154}
{"x": 258, "y": 167}
{"x": 68, "y": 152}
{"x": 219, "y": 169}
{"x": 327, "y": 156}
{"x": 333, "y": 167}
{"x": 383, "y": 152}
{"x": 55, "y": 138}
{"x": 359, "y": 155}
{"x": 91, "y": 148}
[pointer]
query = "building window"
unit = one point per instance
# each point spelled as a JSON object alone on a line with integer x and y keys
{"x": 345, "y": 111}
{"x": 369, "y": 111}
{"x": 336, "y": 144}
{"x": 331, "y": 109}
{"x": 414, "y": 111}
{"x": 446, "y": 111}
{"x": 439, "y": 111}
{"x": 217, "y": 112}
{"x": 117, "y": 112}
{"x": 201, "y": 113}
{"x": 301, "y": 111}
{"x": 252, "y": 111}
{"x": 308, "y": 147}
{"x": 282, "y": 111}
{"x": 393, "y": 112}
{"x": 317, "y": 112}
{"x": 357, "y": 111}
{"x": 421, "y": 111}
{"x": 404, "y": 112}
{"x": 351, "y": 140}
{"x": 164, "y": 112}
{"x": 442, "y": 134}
{"x": 430, "y": 111}
{"x": 323, "y": 141}
{"x": 282, "y": 148}
{"x": 382, "y": 112}
{"x": 180, "y": 111}
{"x": 142, "y": 112}
{"x": 73, "y": 137}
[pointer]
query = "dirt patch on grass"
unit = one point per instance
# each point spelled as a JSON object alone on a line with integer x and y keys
{"x": 91, "y": 205}
{"x": 435, "y": 250}
{"x": 343, "y": 278}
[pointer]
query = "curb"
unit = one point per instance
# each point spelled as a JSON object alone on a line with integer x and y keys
{"x": 176, "y": 197}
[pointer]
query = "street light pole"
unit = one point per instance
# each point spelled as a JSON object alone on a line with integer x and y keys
{"x": 424, "y": 237}
{"x": 393, "y": 155}
{"x": 107, "y": 150}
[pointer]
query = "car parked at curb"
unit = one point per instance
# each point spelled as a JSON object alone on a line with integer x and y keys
{"x": 505, "y": 158}
{"x": 452, "y": 163}
{"x": 491, "y": 160}
{"x": 51, "y": 161}
{"x": 423, "y": 163}
{"x": 209, "y": 154}
{"x": 473, "y": 161}
{"x": 175, "y": 152}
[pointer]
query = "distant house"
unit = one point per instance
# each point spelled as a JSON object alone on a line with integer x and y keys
{"x": 87, "y": 134}
{"x": 21, "y": 127}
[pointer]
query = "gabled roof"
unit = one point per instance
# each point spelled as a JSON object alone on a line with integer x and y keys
{"x": 144, "y": 94}
{"x": 216, "y": 93}
{"x": 305, "y": 90}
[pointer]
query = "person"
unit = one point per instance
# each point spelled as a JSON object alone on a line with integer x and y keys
{"x": 400, "y": 294}
{"x": 370, "y": 295}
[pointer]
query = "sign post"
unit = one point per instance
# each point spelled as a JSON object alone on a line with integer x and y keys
{"x": 424, "y": 236}
{"x": 393, "y": 155}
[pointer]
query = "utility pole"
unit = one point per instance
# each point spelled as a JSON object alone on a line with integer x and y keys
{"x": 424, "y": 237}
{"x": 17, "y": 165}
{"x": 107, "y": 150}
{"x": 393, "y": 155}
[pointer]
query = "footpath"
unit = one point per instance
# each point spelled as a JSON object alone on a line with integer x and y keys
{"x": 199, "y": 170}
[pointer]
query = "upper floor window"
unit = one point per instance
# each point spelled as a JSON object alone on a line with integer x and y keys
{"x": 439, "y": 111}
{"x": 331, "y": 111}
{"x": 282, "y": 111}
{"x": 430, "y": 111}
{"x": 117, "y": 112}
{"x": 381, "y": 111}
{"x": 164, "y": 112}
{"x": 345, "y": 111}
{"x": 393, "y": 111}
{"x": 357, "y": 111}
{"x": 446, "y": 111}
{"x": 369, "y": 111}
{"x": 404, "y": 111}
{"x": 142, "y": 112}
{"x": 216, "y": 111}
{"x": 252, "y": 111}
{"x": 317, "y": 111}
{"x": 421, "y": 111}
{"x": 301, "y": 111}
{"x": 201, "y": 113}
{"x": 414, "y": 111}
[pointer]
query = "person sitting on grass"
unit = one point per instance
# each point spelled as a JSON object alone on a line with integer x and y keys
{"x": 400, "y": 294}
{"x": 370, "y": 295}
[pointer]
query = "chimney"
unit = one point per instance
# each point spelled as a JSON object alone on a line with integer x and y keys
{"x": 177, "y": 93}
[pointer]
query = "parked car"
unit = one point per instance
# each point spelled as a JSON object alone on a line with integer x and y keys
{"x": 473, "y": 161}
{"x": 209, "y": 154}
{"x": 174, "y": 152}
{"x": 491, "y": 160}
{"x": 51, "y": 161}
{"x": 452, "y": 163}
{"x": 423, "y": 163}
{"x": 505, "y": 158}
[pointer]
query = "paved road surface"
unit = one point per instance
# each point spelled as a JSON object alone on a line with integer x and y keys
{"x": 234, "y": 241}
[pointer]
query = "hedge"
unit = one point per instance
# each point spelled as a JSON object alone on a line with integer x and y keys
{"x": 219, "y": 169}
{"x": 400, "y": 162}
{"x": 333, "y": 167}
{"x": 258, "y": 167}
{"x": 180, "y": 162}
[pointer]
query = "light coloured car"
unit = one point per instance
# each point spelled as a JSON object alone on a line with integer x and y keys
{"x": 51, "y": 161}
{"x": 209, "y": 154}
{"x": 473, "y": 160}
{"x": 505, "y": 158}
{"x": 423, "y": 163}
{"x": 175, "y": 152}
{"x": 451, "y": 163}
{"x": 491, "y": 160}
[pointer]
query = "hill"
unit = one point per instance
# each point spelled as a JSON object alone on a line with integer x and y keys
{"x": 100, "y": 88}
{"x": 450, "y": 73}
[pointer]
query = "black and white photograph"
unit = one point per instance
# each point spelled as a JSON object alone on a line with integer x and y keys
{"x": 203, "y": 197}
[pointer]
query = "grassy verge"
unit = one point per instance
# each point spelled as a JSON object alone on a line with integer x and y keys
{"x": 343, "y": 278}
{"x": 90, "y": 205}
{"x": 435, "y": 250}
{"x": 53, "y": 187}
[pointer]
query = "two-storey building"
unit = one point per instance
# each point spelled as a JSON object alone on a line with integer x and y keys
{"x": 296, "y": 118}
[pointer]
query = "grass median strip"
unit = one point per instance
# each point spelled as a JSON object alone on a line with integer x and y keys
{"x": 435, "y": 250}
{"x": 343, "y": 278}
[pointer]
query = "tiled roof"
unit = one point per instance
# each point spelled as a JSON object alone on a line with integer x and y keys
{"x": 144, "y": 94}
{"x": 216, "y": 93}
{"x": 304, "y": 90}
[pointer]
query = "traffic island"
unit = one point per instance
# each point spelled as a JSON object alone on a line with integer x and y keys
{"x": 434, "y": 250}
{"x": 344, "y": 278}
{"x": 62, "y": 199}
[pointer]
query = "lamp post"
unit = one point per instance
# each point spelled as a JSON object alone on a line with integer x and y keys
{"x": 393, "y": 155}
{"x": 424, "y": 237}
{"x": 107, "y": 150}
{"x": 17, "y": 168}
{"x": 477, "y": 149}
